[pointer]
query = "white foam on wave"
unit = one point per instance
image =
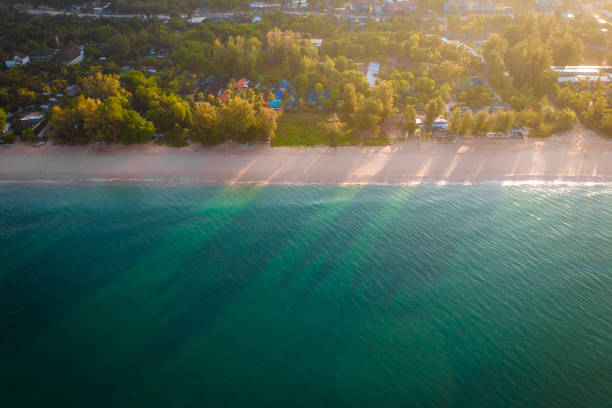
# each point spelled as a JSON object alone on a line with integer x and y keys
{"x": 195, "y": 181}
{"x": 102, "y": 180}
{"x": 36, "y": 181}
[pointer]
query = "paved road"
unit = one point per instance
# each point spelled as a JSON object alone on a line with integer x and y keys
{"x": 208, "y": 15}
{"x": 160, "y": 16}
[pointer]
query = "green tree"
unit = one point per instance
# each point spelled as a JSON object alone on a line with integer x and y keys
{"x": 63, "y": 123}
{"x": 565, "y": 120}
{"x": 350, "y": 99}
{"x": 237, "y": 57}
{"x": 467, "y": 123}
{"x": 133, "y": 79}
{"x": 170, "y": 111}
{"x": 204, "y": 123}
{"x": 528, "y": 117}
{"x": 119, "y": 47}
{"x": 334, "y": 127}
{"x": 445, "y": 92}
{"x": 89, "y": 117}
{"x": 383, "y": 92}
{"x": 425, "y": 85}
{"x": 235, "y": 118}
{"x": 146, "y": 98}
{"x": 529, "y": 64}
{"x": 432, "y": 111}
{"x": 136, "y": 129}
{"x": 568, "y": 50}
{"x": 410, "y": 116}
{"x": 596, "y": 108}
{"x": 26, "y": 97}
{"x": 606, "y": 123}
{"x": 370, "y": 113}
{"x": 3, "y": 119}
{"x": 494, "y": 51}
{"x": 102, "y": 86}
{"x": 28, "y": 135}
{"x": 112, "y": 114}
{"x": 266, "y": 122}
{"x": 456, "y": 120}
{"x": 482, "y": 124}
{"x": 10, "y": 138}
{"x": 319, "y": 89}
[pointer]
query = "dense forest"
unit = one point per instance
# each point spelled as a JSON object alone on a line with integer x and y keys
{"x": 153, "y": 6}
{"x": 185, "y": 6}
{"x": 147, "y": 77}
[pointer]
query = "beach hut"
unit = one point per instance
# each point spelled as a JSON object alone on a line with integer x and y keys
{"x": 18, "y": 58}
{"x": 275, "y": 104}
{"x": 285, "y": 85}
{"x": 440, "y": 124}
{"x": 311, "y": 98}
{"x": 279, "y": 94}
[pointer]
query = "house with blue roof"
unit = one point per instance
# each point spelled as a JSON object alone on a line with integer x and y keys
{"x": 285, "y": 85}
{"x": 440, "y": 124}
{"x": 283, "y": 92}
{"x": 311, "y": 98}
{"x": 278, "y": 94}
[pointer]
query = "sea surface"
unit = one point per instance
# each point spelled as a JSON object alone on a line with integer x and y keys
{"x": 305, "y": 296}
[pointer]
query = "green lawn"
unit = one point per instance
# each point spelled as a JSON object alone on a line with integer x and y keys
{"x": 306, "y": 129}
{"x": 297, "y": 129}
{"x": 465, "y": 83}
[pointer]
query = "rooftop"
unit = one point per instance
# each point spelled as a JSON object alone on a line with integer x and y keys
{"x": 372, "y": 74}
{"x": 33, "y": 116}
{"x": 19, "y": 54}
{"x": 69, "y": 54}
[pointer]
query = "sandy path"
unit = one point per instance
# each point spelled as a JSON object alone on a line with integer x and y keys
{"x": 578, "y": 155}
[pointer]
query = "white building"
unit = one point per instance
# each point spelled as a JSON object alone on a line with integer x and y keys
{"x": 601, "y": 73}
{"x": 317, "y": 42}
{"x": 372, "y": 74}
{"x": 461, "y": 6}
{"x": 299, "y": 4}
{"x": 260, "y": 5}
{"x": 440, "y": 124}
{"x": 19, "y": 58}
{"x": 406, "y": 6}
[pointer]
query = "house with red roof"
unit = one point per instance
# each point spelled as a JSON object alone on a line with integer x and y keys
{"x": 242, "y": 85}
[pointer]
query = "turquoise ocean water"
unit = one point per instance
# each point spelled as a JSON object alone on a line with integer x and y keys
{"x": 305, "y": 296}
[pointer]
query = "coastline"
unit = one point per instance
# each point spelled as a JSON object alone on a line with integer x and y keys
{"x": 576, "y": 156}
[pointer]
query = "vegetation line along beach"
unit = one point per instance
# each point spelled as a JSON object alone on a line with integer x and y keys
{"x": 303, "y": 74}
{"x": 306, "y": 203}
{"x": 577, "y": 155}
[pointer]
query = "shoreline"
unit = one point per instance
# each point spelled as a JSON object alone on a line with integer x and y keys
{"x": 576, "y": 156}
{"x": 551, "y": 181}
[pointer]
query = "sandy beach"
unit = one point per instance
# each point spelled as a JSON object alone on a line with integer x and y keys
{"x": 575, "y": 156}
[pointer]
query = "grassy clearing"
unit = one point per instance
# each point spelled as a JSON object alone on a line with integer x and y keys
{"x": 301, "y": 129}
{"x": 465, "y": 83}
{"x": 306, "y": 129}
{"x": 298, "y": 129}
